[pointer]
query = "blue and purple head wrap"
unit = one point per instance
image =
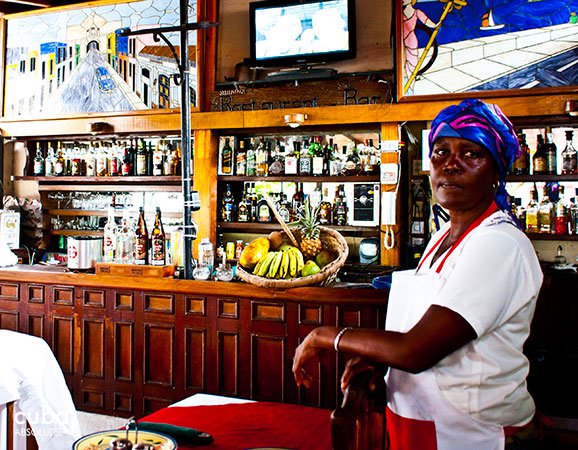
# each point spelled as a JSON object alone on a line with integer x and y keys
{"x": 486, "y": 125}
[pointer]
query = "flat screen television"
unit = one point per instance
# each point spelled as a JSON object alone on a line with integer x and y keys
{"x": 301, "y": 32}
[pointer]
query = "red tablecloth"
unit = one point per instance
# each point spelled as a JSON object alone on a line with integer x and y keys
{"x": 253, "y": 425}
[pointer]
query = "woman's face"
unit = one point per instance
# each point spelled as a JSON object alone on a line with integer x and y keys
{"x": 462, "y": 174}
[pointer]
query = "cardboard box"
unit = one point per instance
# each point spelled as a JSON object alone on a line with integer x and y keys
{"x": 133, "y": 270}
{"x": 10, "y": 228}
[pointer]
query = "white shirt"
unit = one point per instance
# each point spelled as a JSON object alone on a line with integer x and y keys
{"x": 494, "y": 287}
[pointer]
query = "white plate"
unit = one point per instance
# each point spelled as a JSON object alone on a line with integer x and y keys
{"x": 102, "y": 439}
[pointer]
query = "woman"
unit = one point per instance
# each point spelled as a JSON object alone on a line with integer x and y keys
{"x": 456, "y": 325}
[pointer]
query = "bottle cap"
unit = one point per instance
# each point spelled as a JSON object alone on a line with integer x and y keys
{"x": 569, "y": 134}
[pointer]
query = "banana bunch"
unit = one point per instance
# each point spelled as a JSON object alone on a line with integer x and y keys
{"x": 281, "y": 264}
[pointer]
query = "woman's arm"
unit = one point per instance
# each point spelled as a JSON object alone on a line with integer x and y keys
{"x": 440, "y": 332}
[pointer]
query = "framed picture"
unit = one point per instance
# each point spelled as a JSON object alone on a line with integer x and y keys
{"x": 451, "y": 47}
{"x": 75, "y": 60}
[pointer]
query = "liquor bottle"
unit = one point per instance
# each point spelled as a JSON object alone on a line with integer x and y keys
{"x": 297, "y": 201}
{"x": 220, "y": 247}
{"x": 250, "y": 159}
{"x": 141, "y": 240}
{"x": 206, "y": 254}
{"x": 59, "y": 162}
{"x": 125, "y": 242}
{"x": 352, "y": 164}
{"x": 113, "y": 160}
{"x": 335, "y": 165}
{"x": 241, "y": 159}
{"x": 519, "y": 212}
{"x": 177, "y": 160}
{"x": 38, "y": 168}
{"x": 374, "y": 157}
{"x": 305, "y": 160}
{"x": 242, "y": 209}
{"x": 101, "y": 163}
{"x": 75, "y": 162}
{"x": 277, "y": 165}
{"x": 318, "y": 160}
{"x": 90, "y": 161}
{"x": 227, "y": 158}
{"x": 141, "y": 159}
{"x": 168, "y": 164}
{"x": 327, "y": 156}
{"x": 569, "y": 156}
{"x": 284, "y": 208}
{"x": 158, "y": 163}
{"x": 262, "y": 158}
{"x": 109, "y": 244}
{"x": 325, "y": 209}
{"x": 521, "y": 165}
{"x": 291, "y": 159}
{"x": 340, "y": 207}
{"x": 158, "y": 253}
{"x": 264, "y": 214}
{"x": 49, "y": 162}
{"x": 254, "y": 201}
{"x": 561, "y": 215}
{"x": 545, "y": 213}
{"x": 540, "y": 161}
{"x": 551, "y": 155}
{"x": 150, "y": 158}
{"x": 574, "y": 214}
{"x": 125, "y": 168}
{"x": 228, "y": 205}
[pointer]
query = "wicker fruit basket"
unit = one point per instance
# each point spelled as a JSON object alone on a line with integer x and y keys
{"x": 331, "y": 240}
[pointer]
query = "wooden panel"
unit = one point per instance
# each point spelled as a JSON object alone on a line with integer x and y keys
{"x": 93, "y": 348}
{"x": 151, "y": 404}
{"x": 270, "y": 312}
{"x": 93, "y": 399}
{"x": 124, "y": 300}
{"x": 95, "y": 298}
{"x": 123, "y": 403}
{"x": 195, "y": 306}
{"x": 35, "y": 293}
{"x": 9, "y": 320}
{"x": 228, "y": 363}
{"x": 347, "y": 317}
{"x": 310, "y": 315}
{"x": 159, "y": 303}
{"x": 64, "y": 295}
{"x": 36, "y": 325}
{"x": 267, "y": 368}
{"x": 228, "y": 308}
{"x": 195, "y": 359}
{"x": 123, "y": 351}
{"x": 9, "y": 291}
{"x": 159, "y": 354}
{"x": 392, "y": 257}
{"x": 62, "y": 342}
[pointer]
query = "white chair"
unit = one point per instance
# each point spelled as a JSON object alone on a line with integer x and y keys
{"x": 33, "y": 387}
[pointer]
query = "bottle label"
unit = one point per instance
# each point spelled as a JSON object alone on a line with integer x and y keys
{"x": 305, "y": 166}
{"x": 38, "y": 167}
{"x": 317, "y": 165}
{"x": 264, "y": 213}
{"x": 158, "y": 256}
{"x": 58, "y": 168}
{"x": 141, "y": 164}
{"x": 540, "y": 165}
{"x": 290, "y": 165}
{"x": 140, "y": 254}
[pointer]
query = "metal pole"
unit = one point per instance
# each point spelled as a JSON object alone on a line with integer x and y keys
{"x": 187, "y": 183}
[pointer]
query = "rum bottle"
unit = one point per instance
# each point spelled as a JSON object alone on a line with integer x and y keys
{"x": 109, "y": 244}
{"x": 551, "y": 155}
{"x": 540, "y": 160}
{"x": 158, "y": 254}
{"x": 59, "y": 162}
{"x": 241, "y": 159}
{"x": 262, "y": 158}
{"x": 546, "y": 213}
{"x": 305, "y": 160}
{"x": 569, "y": 155}
{"x": 325, "y": 209}
{"x": 141, "y": 238}
{"x": 522, "y": 164}
{"x": 38, "y": 168}
{"x": 125, "y": 242}
{"x": 250, "y": 160}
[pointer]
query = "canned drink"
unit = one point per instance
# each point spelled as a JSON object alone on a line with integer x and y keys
{"x": 230, "y": 250}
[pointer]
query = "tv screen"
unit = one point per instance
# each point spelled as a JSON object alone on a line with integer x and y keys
{"x": 301, "y": 32}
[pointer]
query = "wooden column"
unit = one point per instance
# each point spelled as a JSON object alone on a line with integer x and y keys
{"x": 205, "y": 182}
{"x": 391, "y": 257}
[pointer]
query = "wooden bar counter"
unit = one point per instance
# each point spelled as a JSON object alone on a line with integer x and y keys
{"x": 129, "y": 346}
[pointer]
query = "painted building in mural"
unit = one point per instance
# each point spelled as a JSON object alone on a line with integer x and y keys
{"x": 91, "y": 67}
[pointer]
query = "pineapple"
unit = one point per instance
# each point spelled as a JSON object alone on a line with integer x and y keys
{"x": 308, "y": 223}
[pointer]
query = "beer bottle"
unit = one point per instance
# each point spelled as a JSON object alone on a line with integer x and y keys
{"x": 158, "y": 241}
{"x": 141, "y": 240}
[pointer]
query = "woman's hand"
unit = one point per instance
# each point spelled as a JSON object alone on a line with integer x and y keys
{"x": 359, "y": 365}
{"x": 311, "y": 346}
